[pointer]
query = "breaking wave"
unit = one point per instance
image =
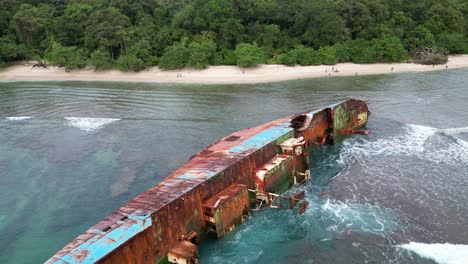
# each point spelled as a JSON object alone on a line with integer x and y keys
{"x": 89, "y": 124}
{"x": 358, "y": 217}
{"x": 455, "y": 130}
{"x": 18, "y": 118}
{"x": 440, "y": 253}
{"x": 416, "y": 141}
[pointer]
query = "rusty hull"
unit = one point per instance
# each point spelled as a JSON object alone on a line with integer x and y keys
{"x": 146, "y": 229}
{"x": 184, "y": 253}
{"x": 225, "y": 210}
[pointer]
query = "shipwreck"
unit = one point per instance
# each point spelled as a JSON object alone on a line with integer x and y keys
{"x": 215, "y": 189}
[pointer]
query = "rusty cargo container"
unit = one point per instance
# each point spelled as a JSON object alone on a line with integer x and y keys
{"x": 214, "y": 189}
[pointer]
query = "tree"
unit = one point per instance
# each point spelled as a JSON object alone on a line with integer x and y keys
{"x": 249, "y": 55}
{"x": 225, "y": 57}
{"x": 401, "y": 24}
{"x": 452, "y": 42}
{"x": 328, "y": 55}
{"x": 182, "y": 33}
{"x": 363, "y": 18}
{"x": 362, "y": 51}
{"x": 70, "y": 27}
{"x": 164, "y": 39}
{"x": 300, "y": 55}
{"x": 231, "y": 33}
{"x": 130, "y": 62}
{"x": 465, "y": 50}
{"x": 421, "y": 37}
{"x": 10, "y": 50}
{"x": 318, "y": 23}
{"x": 31, "y": 23}
{"x": 142, "y": 50}
{"x": 271, "y": 37}
{"x": 145, "y": 29}
{"x": 201, "y": 54}
{"x": 101, "y": 59}
{"x": 289, "y": 58}
{"x": 388, "y": 48}
{"x": 343, "y": 51}
{"x": 175, "y": 56}
{"x": 204, "y": 15}
{"x": 265, "y": 11}
{"x": 106, "y": 28}
{"x": 68, "y": 57}
{"x": 7, "y": 9}
{"x": 444, "y": 17}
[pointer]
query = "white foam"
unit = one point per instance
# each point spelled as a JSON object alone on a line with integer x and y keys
{"x": 18, "y": 118}
{"x": 415, "y": 140}
{"x": 89, "y": 124}
{"x": 455, "y": 130}
{"x": 367, "y": 218}
{"x": 440, "y": 253}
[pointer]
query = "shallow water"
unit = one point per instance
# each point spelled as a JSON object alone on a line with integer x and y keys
{"x": 72, "y": 152}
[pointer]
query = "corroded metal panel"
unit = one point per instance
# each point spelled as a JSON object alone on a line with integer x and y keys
{"x": 319, "y": 127}
{"x": 276, "y": 175}
{"x": 107, "y": 240}
{"x": 184, "y": 253}
{"x": 226, "y": 209}
{"x": 351, "y": 114}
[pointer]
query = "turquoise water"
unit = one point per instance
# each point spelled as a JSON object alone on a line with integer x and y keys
{"x": 72, "y": 152}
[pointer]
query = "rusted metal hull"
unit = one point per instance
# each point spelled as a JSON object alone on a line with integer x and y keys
{"x": 214, "y": 181}
{"x": 226, "y": 209}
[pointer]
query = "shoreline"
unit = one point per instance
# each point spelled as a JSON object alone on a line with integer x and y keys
{"x": 224, "y": 74}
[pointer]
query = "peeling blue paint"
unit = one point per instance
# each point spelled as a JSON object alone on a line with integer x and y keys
{"x": 188, "y": 176}
{"x": 105, "y": 242}
{"x": 262, "y": 138}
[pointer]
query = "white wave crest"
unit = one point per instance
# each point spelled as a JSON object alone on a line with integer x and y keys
{"x": 440, "y": 253}
{"x": 415, "y": 140}
{"x": 89, "y": 124}
{"x": 455, "y": 130}
{"x": 18, "y": 118}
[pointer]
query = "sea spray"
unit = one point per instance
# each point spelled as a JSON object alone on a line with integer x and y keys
{"x": 441, "y": 253}
{"x": 18, "y": 118}
{"x": 89, "y": 124}
{"x": 455, "y": 130}
{"x": 414, "y": 141}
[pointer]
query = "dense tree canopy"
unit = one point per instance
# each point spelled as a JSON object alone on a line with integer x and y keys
{"x": 133, "y": 35}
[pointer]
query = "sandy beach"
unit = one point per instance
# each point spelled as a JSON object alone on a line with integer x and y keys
{"x": 224, "y": 74}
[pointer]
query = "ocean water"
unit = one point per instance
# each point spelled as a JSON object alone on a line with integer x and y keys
{"x": 72, "y": 152}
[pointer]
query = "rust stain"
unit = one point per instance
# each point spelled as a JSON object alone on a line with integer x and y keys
{"x": 81, "y": 255}
{"x": 225, "y": 210}
{"x": 214, "y": 183}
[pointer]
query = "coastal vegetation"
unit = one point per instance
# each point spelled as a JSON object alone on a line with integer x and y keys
{"x": 133, "y": 35}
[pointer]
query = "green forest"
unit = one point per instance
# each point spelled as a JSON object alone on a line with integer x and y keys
{"x": 133, "y": 35}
